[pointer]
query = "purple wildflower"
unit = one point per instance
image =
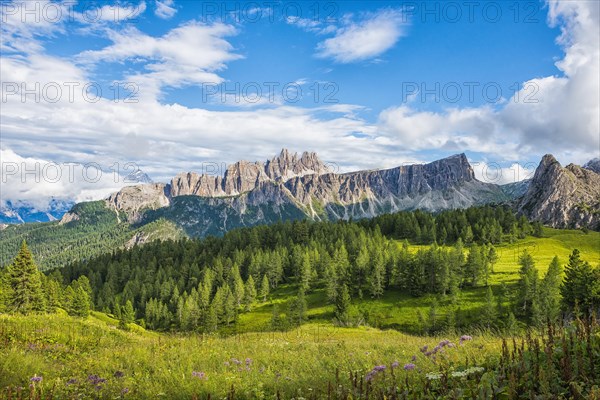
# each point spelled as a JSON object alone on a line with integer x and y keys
{"x": 395, "y": 364}
{"x": 199, "y": 374}
{"x": 72, "y": 381}
{"x": 124, "y": 391}
{"x": 409, "y": 366}
{"x": 236, "y": 361}
{"x": 413, "y": 358}
{"x": 36, "y": 379}
{"x": 119, "y": 374}
{"x": 465, "y": 338}
{"x": 226, "y": 363}
{"x": 424, "y": 349}
{"x": 96, "y": 380}
{"x": 248, "y": 361}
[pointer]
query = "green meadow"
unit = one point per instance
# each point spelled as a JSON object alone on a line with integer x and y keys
{"x": 92, "y": 358}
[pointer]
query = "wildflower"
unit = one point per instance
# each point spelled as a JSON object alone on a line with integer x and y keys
{"x": 413, "y": 358}
{"x": 226, "y": 363}
{"x": 119, "y": 374}
{"x": 72, "y": 381}
{"x": 96, "y": 380}
{"x": 36, "y": 379}
{"x": 409, "y": 366}
{"x": 464, "y": 338}
{"x": 198, "y": 374}
{"x": 236, "y": 361}
{"x": 124, "y": 391}
{"x": 423, "y": 349}
{"x": 248, "y": 361}
{"x": 395, "y": 364}
{"x": 433, "y": 376}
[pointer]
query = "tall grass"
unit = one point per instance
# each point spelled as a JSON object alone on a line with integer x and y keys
{"x": 59, "y": 357}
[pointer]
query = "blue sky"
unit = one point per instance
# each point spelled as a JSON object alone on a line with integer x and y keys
{"x": 382, "y": 83}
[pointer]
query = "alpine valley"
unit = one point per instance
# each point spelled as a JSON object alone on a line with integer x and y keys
{"x": 294, "y": 186}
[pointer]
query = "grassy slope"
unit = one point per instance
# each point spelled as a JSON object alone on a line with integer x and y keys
{"x": 398, "y": 310}
{"x": 61, "y": 348}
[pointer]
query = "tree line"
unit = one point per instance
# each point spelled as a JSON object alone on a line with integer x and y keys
{"x": 203, "y": 285}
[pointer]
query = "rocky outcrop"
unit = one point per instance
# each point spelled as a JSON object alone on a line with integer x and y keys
{"x": 294, "y": 186}
{"x": 593, "y": 165}
{"x": 244, "y": 176}
{"x": 135, "y": 200}
{"x": 562, "y": 197}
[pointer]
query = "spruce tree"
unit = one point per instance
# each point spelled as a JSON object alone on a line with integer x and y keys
{"x": 488, "y": 314}
{"x": 264, "y": 288}
{"x": 527, "y": 286}
{"x": 550, "y": 291}
{"x": 25, "y": 293}
{"x": 342, "y": 304}
{"x": 81, "y": 303}
{"x": 249, "y": 293}
{"x": 127, "y": 315}
{"x": 580, "y": 284}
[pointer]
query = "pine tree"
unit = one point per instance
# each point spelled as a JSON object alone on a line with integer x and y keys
{"x": 306, "y": 272}
{"x": 297, "y": 310}
{"x": 81, "y": 303}
{"x": 25, "y": 293}
{"x": 249, "y": 293}
{"x": 580, "y": 284}
{"x": 376, "y": 277}
{"x": 264, "y": 288}
{"x": 342, "y": 304}
{"x": 276, "y": 320}
{"x": 527, "y": 285}
{"x": 550, "y": 291}
{"x": 127, "y": 315}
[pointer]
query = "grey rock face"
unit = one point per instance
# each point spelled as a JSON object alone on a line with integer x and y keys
{"x": 593, "y": 165}
{"x": 244, "y": 176}
{"x": 134, "y": 200}
{"x": 562, "y": 197}
{"x": 290, "y": 185}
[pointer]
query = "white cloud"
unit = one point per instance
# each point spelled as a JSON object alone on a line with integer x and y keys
{"x": 368, "y": 38}
{"x": 169, "y": 138}
{"x": 554, "y": 114}
{"x": 190, "y": 54}
{"x": 33, "y": 181}
{"x": 495, "y": 172}
{"x": 114, "y": 13}
{"x": 164, "y": 9}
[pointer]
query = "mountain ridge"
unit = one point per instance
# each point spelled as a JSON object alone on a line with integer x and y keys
{"x": 304, "y": 182}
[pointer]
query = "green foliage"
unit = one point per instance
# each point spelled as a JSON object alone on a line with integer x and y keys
{"x": 24, "y": 284}
{"x": 101, "y": 362}
{"x": 580, "y": 286}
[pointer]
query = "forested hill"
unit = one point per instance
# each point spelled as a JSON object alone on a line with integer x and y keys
{"x": 205, "y": 283}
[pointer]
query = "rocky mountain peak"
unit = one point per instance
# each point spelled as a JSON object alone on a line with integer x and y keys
{"x": 593, "y": 165}
{"x": 288, "y": 165}
{"x": 566, "y": 197}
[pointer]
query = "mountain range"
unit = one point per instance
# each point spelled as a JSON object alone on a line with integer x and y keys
{"x": 300, "y": 186}
{"x": 293, "y": 186}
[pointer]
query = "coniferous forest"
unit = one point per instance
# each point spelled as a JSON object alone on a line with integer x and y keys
{"x": 333, "y": 278}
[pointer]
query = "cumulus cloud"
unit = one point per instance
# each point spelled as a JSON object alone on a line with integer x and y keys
{"x": 33, "y": 181}
{"x": 371, "y": 36}
{"x": 171, "y": 60}
{"x": 165, "y": 139}
{"x": 559, "y": 114}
